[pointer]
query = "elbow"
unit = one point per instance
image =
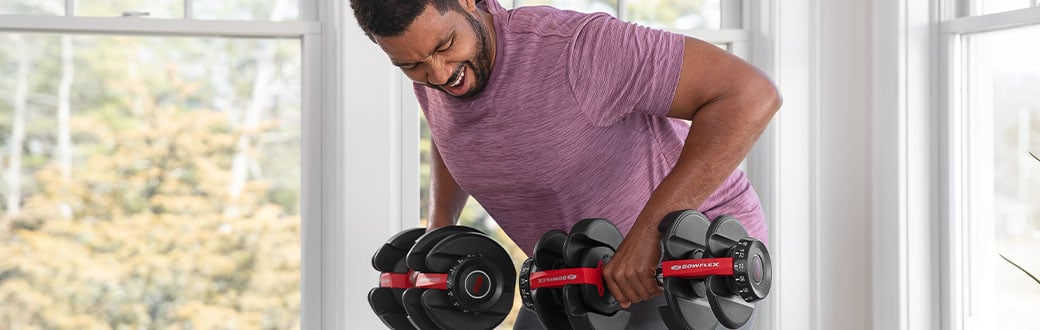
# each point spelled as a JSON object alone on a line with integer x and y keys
{"x": 765, "y": 96}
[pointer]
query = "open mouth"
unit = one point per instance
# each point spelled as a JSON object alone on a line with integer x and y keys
{"x": 457, "y": 86}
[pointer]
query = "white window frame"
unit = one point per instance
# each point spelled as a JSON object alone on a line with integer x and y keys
{"x": 920, "y": 175}
{"x": 961, "y": 267}
{"x": 325, "y": 280}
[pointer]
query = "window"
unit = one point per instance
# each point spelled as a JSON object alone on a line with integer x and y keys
{"x": 152, "y": 168}
{"x": 994, "y": 125}
{"x": 997, "y": 6}
{"x": 716, "y": 21}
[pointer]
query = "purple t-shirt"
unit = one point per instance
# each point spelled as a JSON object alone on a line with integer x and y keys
{"x": 571, "y": 125}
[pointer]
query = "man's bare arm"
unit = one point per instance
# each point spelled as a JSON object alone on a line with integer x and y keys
{"x": 446, "y": 197}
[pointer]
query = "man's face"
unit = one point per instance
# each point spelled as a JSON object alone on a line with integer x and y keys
{"x": 450, "y": 51}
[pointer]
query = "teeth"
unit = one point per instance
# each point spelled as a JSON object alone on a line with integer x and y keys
{"x": 459, "y": 79}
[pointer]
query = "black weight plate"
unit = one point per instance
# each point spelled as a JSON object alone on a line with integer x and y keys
{"x": 723, "y": 234}
{"x": 446, "y": 253}
{"x": 386, "y": 302}
{"x": 550, "y": 310}
{"x": 413, "y": 305}
{"x": 589, "y": 233}
{"x": 581, "y": 318}
{"x": 547, "y": 303}
{"x": 687, "y": 305}
{"x": 416, "y": 258}
{"x": 590, "y": 242}
{"x": 390, "y": 257}
{"x": 464, "y": 254}
{"x": 442, "y": 310}
{"x": 683, "y": 234}
{"x": 548, "y": 252}
{"x": 730, "y": 309}
{"x": 601, "y": 304}
{"x": 752, "y": 270}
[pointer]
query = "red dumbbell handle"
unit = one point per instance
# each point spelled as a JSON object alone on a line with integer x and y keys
{"x": 557, "y": 278}
{"x": 395, "y": 280}
{"x": 431, "y": 281}
{"x": 697, "y": 268}
{"x": 689, "y": 268}
{"x": 422, "y": 280}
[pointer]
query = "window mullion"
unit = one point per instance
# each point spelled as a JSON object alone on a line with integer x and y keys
{"x": 991, "y": 22}
{"x": 966, "y": 8}
{"x": 69, "y": 8}
{"x": 622, "y": 14}
{"x": 309, "y": 10}
{"x": 732, "y": 14}
{"x": 188, "y": 4}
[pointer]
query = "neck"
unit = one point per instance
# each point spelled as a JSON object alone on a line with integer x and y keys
{"x": 489, "y": 24}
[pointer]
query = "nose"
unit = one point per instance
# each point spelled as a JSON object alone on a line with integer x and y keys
{"x": 439, "y": 73}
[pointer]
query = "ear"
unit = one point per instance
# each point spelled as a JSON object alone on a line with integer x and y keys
{"x": 468, "y": 5}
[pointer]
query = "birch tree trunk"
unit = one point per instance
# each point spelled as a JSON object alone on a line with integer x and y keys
{"x": 64, "y": 92}
{"x": 21, "y": 93}
{"x": 259, "y": 99}
{"x": 64, "y": 151}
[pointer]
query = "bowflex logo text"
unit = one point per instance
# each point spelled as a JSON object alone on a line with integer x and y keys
{"x": 570, "y": 277}
{"x": 696, "y": 265}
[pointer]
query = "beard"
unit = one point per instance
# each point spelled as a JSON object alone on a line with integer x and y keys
{"x": 481, "y": 61}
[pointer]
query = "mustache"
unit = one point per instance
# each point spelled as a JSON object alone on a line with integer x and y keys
{"x": 453, "y": 77}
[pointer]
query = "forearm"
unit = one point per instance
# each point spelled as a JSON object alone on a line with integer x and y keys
{"x": 447, "y": 199}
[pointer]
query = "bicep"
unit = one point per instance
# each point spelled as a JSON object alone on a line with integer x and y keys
{"x": 708, "y": 73}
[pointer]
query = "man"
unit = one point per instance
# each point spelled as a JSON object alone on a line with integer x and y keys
{"x": 547, "y": 117}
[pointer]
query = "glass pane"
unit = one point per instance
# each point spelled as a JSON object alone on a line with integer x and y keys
{"x": 1002, "y": 79}
{"x": 32, "y": 7}
{"x": 996, "y": 6}
{"x": 149, "y": 183}
{"x": 140, "y": 8}
{"x": 249, "y": 10}
{"x": 585, "y": 6}
{"x": 676, "y": 14}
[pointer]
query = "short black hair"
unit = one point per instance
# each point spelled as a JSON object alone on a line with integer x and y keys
{"x": 389, "y": 18}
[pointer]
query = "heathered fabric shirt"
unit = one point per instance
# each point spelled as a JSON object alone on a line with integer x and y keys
{"x": 571, "y": 125}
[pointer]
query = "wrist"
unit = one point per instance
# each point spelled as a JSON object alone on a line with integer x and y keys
{"x": 437, "y": 221}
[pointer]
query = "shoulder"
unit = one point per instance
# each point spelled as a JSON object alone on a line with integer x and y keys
{"x": 548, "y": 21}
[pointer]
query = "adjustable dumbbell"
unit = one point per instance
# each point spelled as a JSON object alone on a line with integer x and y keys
{"x": 711, "y": 272}
{"x": 702, "y": 290}
{"x": 389, "y": 259}
{"x": 562, "y": 282}
{"x": 464, "y": 280}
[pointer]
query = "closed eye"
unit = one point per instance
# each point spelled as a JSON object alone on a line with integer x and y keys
{"x": 447, "y": 45}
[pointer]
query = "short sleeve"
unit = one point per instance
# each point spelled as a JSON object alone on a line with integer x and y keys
{"x": 617, "y": 68}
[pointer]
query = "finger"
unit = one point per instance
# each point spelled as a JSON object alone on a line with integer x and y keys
{"x": 633, "y": 281}
{"x": 613, "y": 287}
{"x": 649, "y": 285}
{"x": 638, "y": 281}
{"x": 620, "y": 289}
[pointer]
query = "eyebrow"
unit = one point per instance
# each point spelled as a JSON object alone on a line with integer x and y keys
{"x": 439, "y": 45}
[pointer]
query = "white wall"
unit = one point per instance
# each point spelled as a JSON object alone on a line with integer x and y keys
{"x": 371, "y": 151}
{"x": 843, "y": 224}
{"x": 818, "y": 151}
